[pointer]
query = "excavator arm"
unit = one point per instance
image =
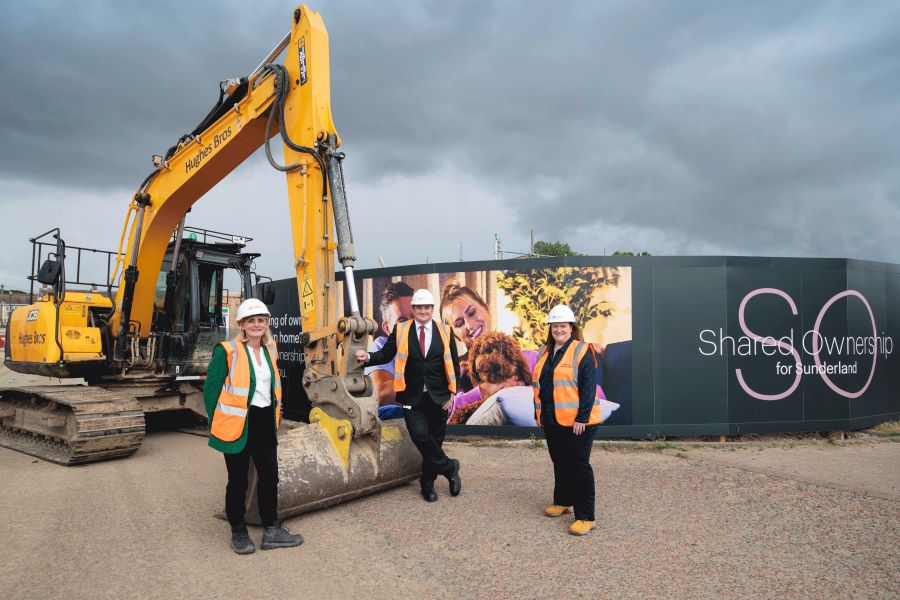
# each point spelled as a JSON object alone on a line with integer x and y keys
{"x": 292, "y": 101}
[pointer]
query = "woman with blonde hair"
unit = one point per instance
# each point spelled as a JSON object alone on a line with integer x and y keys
{"x": 243, "y": 401}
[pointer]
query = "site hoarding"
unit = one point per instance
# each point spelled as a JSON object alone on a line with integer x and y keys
{"x": 686, "y": 346}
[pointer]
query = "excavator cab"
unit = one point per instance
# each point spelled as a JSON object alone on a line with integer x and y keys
{"x": 189, "y": 317}
{"x": 65, "y": 333}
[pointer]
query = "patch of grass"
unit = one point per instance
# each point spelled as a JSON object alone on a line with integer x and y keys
{"x": 664, "y": 445}
{"x": 535, "y": 443}
{"x": 891, "y": 427}
{"x": 486, "y": 443}
{"x": 681, "y": 454}
{"x": 491, "y": 444}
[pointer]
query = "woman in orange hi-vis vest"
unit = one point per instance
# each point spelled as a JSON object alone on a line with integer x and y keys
{"x": 567, "y": 408}
{"x": 243, "y": 401}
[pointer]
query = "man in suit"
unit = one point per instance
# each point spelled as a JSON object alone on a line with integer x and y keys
{"x": 426, "y": 368}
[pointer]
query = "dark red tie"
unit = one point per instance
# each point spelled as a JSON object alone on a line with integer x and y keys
{"x": 422, "y": 339}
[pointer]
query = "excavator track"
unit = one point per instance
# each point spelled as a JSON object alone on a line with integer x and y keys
{"x": 70, "y": 424}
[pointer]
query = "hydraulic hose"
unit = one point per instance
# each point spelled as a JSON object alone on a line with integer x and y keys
{"x": 282, "y": 86}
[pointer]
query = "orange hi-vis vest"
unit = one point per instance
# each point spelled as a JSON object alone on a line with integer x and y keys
{"x": 403, "y": 354}
{"x": 230, "y": 415}
{"x": 565, "y": 386}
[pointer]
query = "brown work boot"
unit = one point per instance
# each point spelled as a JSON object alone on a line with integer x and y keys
{"x": 581, "y": 527}
{"x": 555, "y": 510}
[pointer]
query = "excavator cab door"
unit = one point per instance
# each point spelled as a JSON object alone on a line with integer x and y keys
{"x": 191, "y": 300}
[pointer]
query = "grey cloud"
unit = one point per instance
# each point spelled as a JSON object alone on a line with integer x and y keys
{"x": 704, "y": 126}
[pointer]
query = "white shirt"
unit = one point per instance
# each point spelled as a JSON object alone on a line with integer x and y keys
{"x": 262, "y": 395}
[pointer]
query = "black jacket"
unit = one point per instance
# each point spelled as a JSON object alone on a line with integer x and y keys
{"x": 420, "y": 371}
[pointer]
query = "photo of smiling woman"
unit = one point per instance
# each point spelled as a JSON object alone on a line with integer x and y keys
{"x": 468, "y": 314}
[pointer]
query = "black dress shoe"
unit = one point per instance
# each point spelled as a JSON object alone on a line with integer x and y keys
{"x": 429, "y": 495}
{"x": 453, "y": 478}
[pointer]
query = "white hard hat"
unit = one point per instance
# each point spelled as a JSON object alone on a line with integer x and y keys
{"x": 560, "y": 314}
{"x": 251, "y": 307}
{"x": 422, "y": 298}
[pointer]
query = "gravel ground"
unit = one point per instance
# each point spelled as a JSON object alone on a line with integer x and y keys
{"x": 672, "y": 523}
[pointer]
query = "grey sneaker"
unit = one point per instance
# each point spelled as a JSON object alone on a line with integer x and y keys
{"x": 241, "y": 542}
{"x": 277, "y": 536}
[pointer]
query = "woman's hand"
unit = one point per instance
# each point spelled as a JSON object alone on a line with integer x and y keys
{"x": 449, "y": 403}
{"x": 362, "y": 355}
{"x": 578, "y": 428}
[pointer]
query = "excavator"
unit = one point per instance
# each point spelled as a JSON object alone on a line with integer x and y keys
{"x": 143, "y": 346}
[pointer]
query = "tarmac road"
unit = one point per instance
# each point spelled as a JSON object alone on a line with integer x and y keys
{"x": 672, "y": 523}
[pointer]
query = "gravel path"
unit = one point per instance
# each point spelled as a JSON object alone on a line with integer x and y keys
{"x": 673, "y": 524}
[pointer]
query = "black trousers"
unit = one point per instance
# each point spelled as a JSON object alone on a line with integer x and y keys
{"x": 261, "y": 447}
{"x": 427, "y": 425}
{"x": 573, "y": 475}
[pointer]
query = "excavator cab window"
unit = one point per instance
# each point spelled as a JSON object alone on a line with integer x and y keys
{"x": 210, "y": 286}
{"x": 159, "y": 302}
{"x": 181, "y": 310}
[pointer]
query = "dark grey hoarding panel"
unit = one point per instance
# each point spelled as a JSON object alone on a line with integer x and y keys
{"x": 689, "y": 343}
{"x": 688, "y": 387}
{"x": 892, "y": 330}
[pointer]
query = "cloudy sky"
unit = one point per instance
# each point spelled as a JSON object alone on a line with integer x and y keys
{"x": 761, "y": 128}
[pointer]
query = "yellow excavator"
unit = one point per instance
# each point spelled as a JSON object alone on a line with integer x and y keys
{"x": 141, "y": 347}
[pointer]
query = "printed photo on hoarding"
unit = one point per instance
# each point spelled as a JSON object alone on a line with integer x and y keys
{"x": 499, "y": 319}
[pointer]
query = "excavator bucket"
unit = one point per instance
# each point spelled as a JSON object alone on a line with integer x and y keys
{"x": 315, "y": 472}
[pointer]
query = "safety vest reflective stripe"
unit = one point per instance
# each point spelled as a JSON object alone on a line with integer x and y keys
{"x": 230, "y": 417}
{"x": 276, "y": 380}
{"x": 402, "y": 355}
{"x": 565, "y": 383}
{"x": 444, "y": 331}
{"x": 566, "y": 401}
{"x": 232, "y": 410}
{"x": 574, "y": 405}
{"x": 234, "y": 347}
{"x": 236, "y": 390}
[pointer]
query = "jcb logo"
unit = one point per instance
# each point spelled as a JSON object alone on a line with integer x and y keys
{"x": 32, "y": 315}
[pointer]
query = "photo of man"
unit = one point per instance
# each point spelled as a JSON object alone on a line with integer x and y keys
{"x": 395, "y": 307}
